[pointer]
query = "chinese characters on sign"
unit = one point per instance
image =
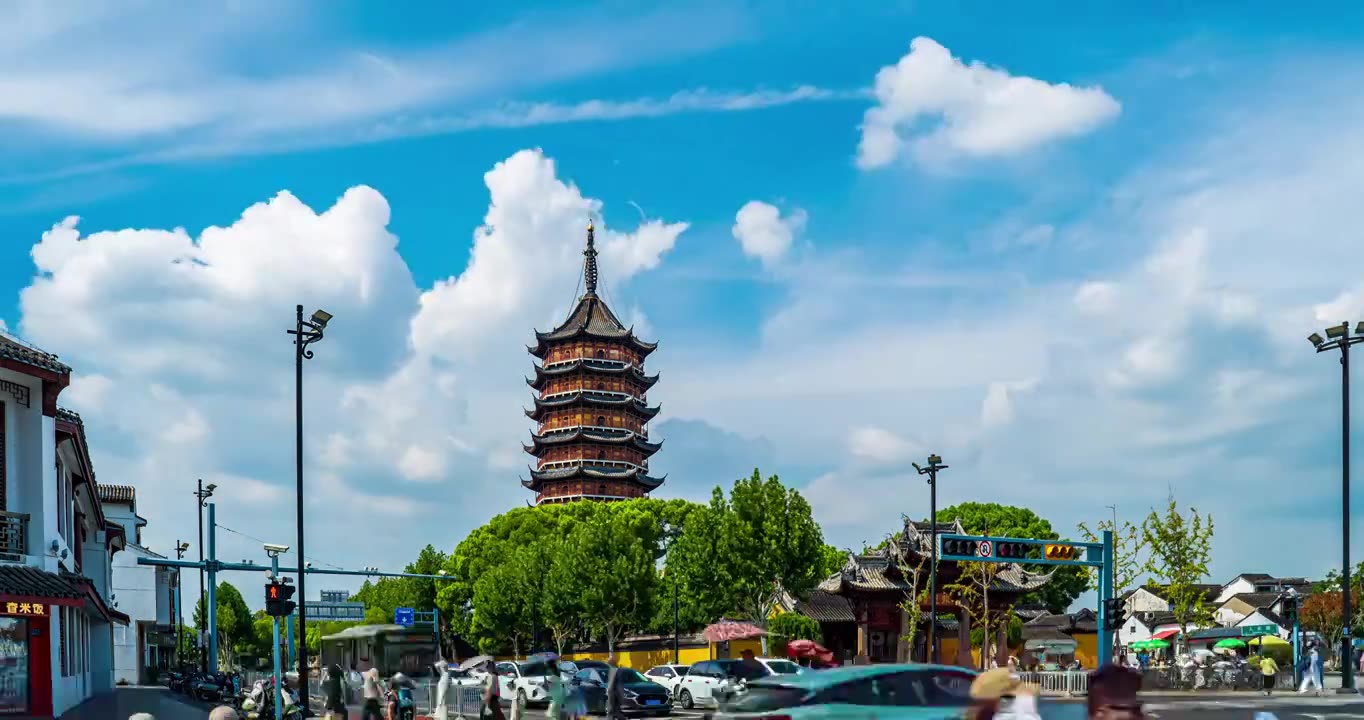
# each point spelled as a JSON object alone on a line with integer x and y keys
{"x": 25, "y": 609}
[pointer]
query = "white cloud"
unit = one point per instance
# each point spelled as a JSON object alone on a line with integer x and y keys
{"x": 171, "y": 338}
{"x": 1096, "y": 297}
{"x": 998, "y": 407}
{"x": 881, "y": 446}
{"x": 979, "y": 111}
{"x": 763, "y": 233}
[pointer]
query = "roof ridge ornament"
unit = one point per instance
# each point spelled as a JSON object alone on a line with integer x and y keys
{"x": 590, "y": 262}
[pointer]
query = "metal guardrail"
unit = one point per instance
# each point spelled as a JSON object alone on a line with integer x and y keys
{"x": 461, "y": 701}
{"x": 1063, "y": 682}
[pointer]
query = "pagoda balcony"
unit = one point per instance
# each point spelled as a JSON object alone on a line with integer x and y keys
{"x": 602, "y": 394}
{"x": 599, "y": 362}
{"x": 590, "y": 463}
{"x": 602, "y": 429}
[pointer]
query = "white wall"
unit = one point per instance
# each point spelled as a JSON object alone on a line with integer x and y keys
{"x": 142, "y": 592}
{"x": 1256, "y": 618}
{"x": 1235, "y": 587}
{"x": 1145, "y": 601}
{"x": 29, "y": 446}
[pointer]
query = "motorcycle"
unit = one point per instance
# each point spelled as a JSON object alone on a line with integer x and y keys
{"x": 407, "y": 707}
{"x": 215, "y": 687}
{"x": 175, "y": 680}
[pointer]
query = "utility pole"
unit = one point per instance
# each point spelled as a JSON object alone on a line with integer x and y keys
{"x": 934, "y": 465}
{"x": 305, "y": 332}
{"x": 1338, "y": 337}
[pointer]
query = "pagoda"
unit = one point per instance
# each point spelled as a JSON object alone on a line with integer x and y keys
{"x": 592, "y": 436}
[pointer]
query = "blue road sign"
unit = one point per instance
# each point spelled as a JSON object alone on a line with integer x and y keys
{"x": 404, "y": 616}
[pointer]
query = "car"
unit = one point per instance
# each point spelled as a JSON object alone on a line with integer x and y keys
{"x": 781, "y": 666}
{"x": 667, "y": 675}
{"x": 709, "y": 680}
{"x": 465, "y": 678}
{"x": 524, "y": 681}
{"x": 882, "y": 692}
{"x": 641, "y": 696}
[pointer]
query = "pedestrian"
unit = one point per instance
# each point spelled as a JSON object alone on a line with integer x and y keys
{"x": 613, "y": 690}
{"x": 222, "y": 712}
{"x": 1308, "y": 668}
{"x": 990, "y": 691}
{"x": 1268, "y": 669}
{"x": 372, "y": 691}
{"x": 334, "y": 693}
{"x": 492, "y": 694}
{"x": 1113, "y": 692}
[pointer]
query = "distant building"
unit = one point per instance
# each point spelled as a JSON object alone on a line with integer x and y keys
{"x": 592, "y": 435}
{"x": 144, "y": 592}
{"x": 56, "y": 545}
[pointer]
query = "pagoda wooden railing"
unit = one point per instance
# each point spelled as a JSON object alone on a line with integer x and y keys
{"x": 13, "y": 533}
{"x": 591, "y": 361}
{"x": 600, "y": 428}
{"x": 560, "y": 464}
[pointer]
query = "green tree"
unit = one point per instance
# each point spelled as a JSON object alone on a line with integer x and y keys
{"x": 1067, "y": 583}
{"x": 832, "y": 560}
{"x": 499, "y": 618}
{"x": 740, "y": 552}
{"x": 786, "y": 627}
{"x": 561, "y": 606}
{"x": 1129, "y": 550}
{"x": 914, "y": 569}
{"x": 1181, "y": 548}
{"x": 971, "y": 591}
{"x": 233, "y": 622}
{"x": 614, "y": 561}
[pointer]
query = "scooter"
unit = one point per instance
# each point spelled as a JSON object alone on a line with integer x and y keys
{"x": 407, "y": 708}
{"x": 259, "y": 704}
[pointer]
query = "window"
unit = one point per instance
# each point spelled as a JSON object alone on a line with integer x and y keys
{"x": 601, "y": 386}
{"x": 601, "y": 354}
{"x": 601, "y": 420}
{"x": 601, "y": 489}
{"x": 601, "y": 454}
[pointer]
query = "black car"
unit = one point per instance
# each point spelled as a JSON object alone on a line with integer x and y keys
{"x": 640, "y": 695}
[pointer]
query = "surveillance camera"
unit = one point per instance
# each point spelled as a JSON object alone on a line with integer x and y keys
{"x": 276, "y": 548}
{"x": 308, "y": 564}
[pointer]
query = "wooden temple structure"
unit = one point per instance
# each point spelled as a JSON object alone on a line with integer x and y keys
{"x": 591, "y": 440}
{"x": 859, "y": 608}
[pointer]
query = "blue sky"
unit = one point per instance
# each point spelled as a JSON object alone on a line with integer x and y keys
{"x": 1075, "y": 253}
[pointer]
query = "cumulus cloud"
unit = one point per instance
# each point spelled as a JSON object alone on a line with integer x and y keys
{"x": 971, "y": 109}
{"x": 763, "y": 233}
{"x": 410, "y": 407}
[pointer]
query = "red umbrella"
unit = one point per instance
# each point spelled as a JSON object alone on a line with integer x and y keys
{"x": 797, "y": 649}
{"x": 729, "y": 630}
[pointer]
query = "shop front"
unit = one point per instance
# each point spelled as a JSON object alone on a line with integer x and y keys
{"x": 29, "y": 597}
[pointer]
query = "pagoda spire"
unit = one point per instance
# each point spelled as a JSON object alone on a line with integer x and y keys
{"x": 590, "y": 262}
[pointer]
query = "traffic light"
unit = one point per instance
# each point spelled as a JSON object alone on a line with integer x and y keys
{"x": 278, "y": 601}
{"x": 1011, "y": 551}
{"x": 960, "y": 547}
{"x": 1061, "y": 552}
{"x": 1113, "y": 614}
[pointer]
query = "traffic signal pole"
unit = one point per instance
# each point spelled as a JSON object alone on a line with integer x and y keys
{"x": 211, "y": 609}
{"x": 274, "y": 646}
{"x": 1031, "y": 551}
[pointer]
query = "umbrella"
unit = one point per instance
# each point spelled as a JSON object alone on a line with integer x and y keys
{"x": 1152, "y": 644}
{"x": 727, "y": 630}
{"x": 1230, "y": 643}
{"x": 475, "y": 662}
{"x": 1270, "y": 640}
{"x": 809, "y": 649}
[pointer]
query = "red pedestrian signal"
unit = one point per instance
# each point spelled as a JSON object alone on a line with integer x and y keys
{"x": 278, "y": 601}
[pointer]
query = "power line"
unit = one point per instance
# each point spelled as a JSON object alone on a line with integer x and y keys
{"x": 290, "y": 551}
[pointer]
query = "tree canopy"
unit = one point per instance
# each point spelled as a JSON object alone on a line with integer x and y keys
{"x": 1011, "y": 521}
{"x": 1180, "y": 550}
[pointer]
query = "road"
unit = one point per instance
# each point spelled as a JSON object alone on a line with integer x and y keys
{"x": 164, "y": 705}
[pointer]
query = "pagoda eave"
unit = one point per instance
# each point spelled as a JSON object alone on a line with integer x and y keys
{"x": 583, "y": 436}
{"x": 545, "y": 341}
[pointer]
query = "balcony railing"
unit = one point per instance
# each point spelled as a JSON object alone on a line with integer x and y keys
{"x": 13, "y": 533}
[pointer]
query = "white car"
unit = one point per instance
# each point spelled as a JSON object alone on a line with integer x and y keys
{"x": 522, "y": 681}
{"x": 708, "y": 681}
{"x": 669, "y": 676}
{"x": 781, "y": 666}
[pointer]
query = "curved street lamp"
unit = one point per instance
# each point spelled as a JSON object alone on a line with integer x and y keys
{"x": 1339, "y": 337}
{"x": 934, "y": 465}
{"x": 305, "y": 332}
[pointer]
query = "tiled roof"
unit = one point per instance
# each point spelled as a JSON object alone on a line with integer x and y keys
{"x": 538, "y": 477}
{"x": 117, "y": 493}
{"x": 826, "y": 607}
{"x": 32, "y": 582}
{"x": 13, "y": 348}
{"x": 1043, "y": 632}
{"x": 877, "y": 571}
{"x": 1256, "y": 599}
{"x": 1082, "y": 621}
{"x": 1152, "y": 619}
{"x": 593, "y": 318}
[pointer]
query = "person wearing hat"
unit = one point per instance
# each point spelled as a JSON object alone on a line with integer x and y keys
{"x": 1113, "y": 693}
{"x": 998, "y": 692}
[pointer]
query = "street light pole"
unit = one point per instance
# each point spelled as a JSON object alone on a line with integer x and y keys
{"x": 934, "y": 465}
{"x": 305, "y": 332}
{"x": 1338, "y": 337}
{"x": 203, "y": 493}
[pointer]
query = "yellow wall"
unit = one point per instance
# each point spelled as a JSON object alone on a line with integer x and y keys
{"x": 1086, "y": 650}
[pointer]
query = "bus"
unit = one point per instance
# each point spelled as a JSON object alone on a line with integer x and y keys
{"x": 390, "y": 648}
